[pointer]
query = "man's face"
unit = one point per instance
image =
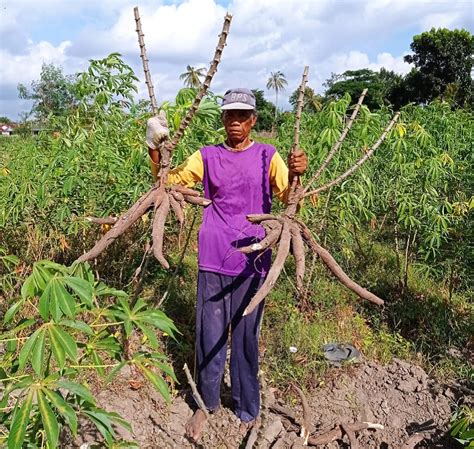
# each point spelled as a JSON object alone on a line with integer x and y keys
{"x": 238, "y": 123}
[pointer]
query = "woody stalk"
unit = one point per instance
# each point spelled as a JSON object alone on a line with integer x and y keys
{"x": 286, "y": 231}
{"x": 162, "y": 197}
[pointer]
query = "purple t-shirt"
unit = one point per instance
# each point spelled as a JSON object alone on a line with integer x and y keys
{"x": 238, "y": 184}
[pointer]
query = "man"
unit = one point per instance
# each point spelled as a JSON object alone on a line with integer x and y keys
{"x": 239, "y": 176}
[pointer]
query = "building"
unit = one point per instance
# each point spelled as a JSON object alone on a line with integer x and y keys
{"x": 7, "y": 129}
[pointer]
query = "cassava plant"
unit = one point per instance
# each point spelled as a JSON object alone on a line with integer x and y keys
{"x": 287, "y": 231}
{"x": 65, "y": 324}
{"x": 161, "y": 197}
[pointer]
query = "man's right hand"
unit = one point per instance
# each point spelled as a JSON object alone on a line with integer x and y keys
{"x": 156, "y": 131}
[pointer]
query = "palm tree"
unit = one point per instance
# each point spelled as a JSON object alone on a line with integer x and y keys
{"x": 192, "y": 76}
{"x": 312, "y": 101}
{"x": 277, "y": 82}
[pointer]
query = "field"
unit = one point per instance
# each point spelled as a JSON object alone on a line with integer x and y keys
{"x": 402, "y": 226}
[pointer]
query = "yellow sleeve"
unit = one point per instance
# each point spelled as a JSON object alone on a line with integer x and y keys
{"x": 279, "y": 177}
{"x": 189, "y": 172}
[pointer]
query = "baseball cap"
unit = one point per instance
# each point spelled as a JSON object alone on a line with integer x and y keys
{"x": 239, "y": 98}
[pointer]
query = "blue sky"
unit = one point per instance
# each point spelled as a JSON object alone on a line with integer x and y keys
{"x": 266, "y": 36}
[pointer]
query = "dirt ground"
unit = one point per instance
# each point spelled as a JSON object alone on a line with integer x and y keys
{"x": 400, "y": 396}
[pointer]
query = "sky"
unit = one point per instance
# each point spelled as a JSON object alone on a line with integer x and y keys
{"x": 265, "y": 36}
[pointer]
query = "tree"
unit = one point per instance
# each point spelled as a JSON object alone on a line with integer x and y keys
{"x": 383, "y": 86}
{"x": 354, "y": 82}
{"x": 443, "y": 61}
{"x": 192, "y": 76}
{"x": 53, "y": 94}
{"x": 389, "y": 81}
{"x": 4, "y": 119}
{"x": 277, "y": 82}
{"x": 313, "y": 102}
{"x": 266, "y": 111}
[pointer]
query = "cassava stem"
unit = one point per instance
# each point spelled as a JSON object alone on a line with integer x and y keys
{"x": 292, "y": 197}
{"x": 364, "y": 158}
{"x": 146, "y": 69}
{"x": 306, "y": 424}
{"x": 202, "y": 405}
{"x": 299, "y": 110}
{"x": 338, "y": 143}
{"x": 169, "y": 147}
{"x": 207, "y": 81}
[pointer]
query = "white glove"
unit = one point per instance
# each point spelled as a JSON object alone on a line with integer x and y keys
{"x": 156, "y": 130}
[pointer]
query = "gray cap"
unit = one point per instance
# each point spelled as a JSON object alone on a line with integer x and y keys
{"x": 239, "y": 98}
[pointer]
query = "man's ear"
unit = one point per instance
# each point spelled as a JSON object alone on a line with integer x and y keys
{"x": 254, "y": 119}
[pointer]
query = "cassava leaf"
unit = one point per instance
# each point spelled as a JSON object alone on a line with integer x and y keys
{"x": 63, "y": 408}
{"x": 78, "y": 325}
{"x": 27, "y": 347}
{"x": 66, "y": 302}
{"x": 49, "y": 420}
{"x": 37, "y": 356}
{"x": 12, "y": 310}
{"x": 77, "y": 389}
{"x": 156, "y": 381}
{"x": 65, "y": 340}
{"x": 56, "y": 346}
{"x": 28, "y": 289}
{"x": 21, "y": 418}
{"x": 81, "y": 287}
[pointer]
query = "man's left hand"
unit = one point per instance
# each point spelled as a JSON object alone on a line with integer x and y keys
{"x": 297, "y": 162}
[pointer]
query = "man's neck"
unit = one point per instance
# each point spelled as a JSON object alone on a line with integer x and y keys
{"x": 239, "y": 146}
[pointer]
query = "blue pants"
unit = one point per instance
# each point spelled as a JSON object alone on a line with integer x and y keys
{"x": 221, "y": 300}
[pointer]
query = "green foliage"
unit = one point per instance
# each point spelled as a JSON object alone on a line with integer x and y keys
{"x": 462, "y": 426}
{"x": 399, "y": 226}
{"x": 65, "y": 323}
{"x": 443, "y": 60}
{"x": 417, "y": 187}
{"x": 8, "y": 263}
{"x": 353, "y": 82}
{"x": 276, "y": 81}
{"x": 265, "y": 110}
{"x": 96, "y": 164}
{"x": 206, "y": 126}
{"x": 52, "y": 95}
{"x": 312, "y": 102}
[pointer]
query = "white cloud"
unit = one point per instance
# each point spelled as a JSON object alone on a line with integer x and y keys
{"x": 389, "y": 62}
{"x": 440, "y": 20}
{"x": 266, "y": 35}
{"x": 25, "y": 67}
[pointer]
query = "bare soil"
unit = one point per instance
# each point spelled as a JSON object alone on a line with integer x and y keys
{"x": 399, "y": 396}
